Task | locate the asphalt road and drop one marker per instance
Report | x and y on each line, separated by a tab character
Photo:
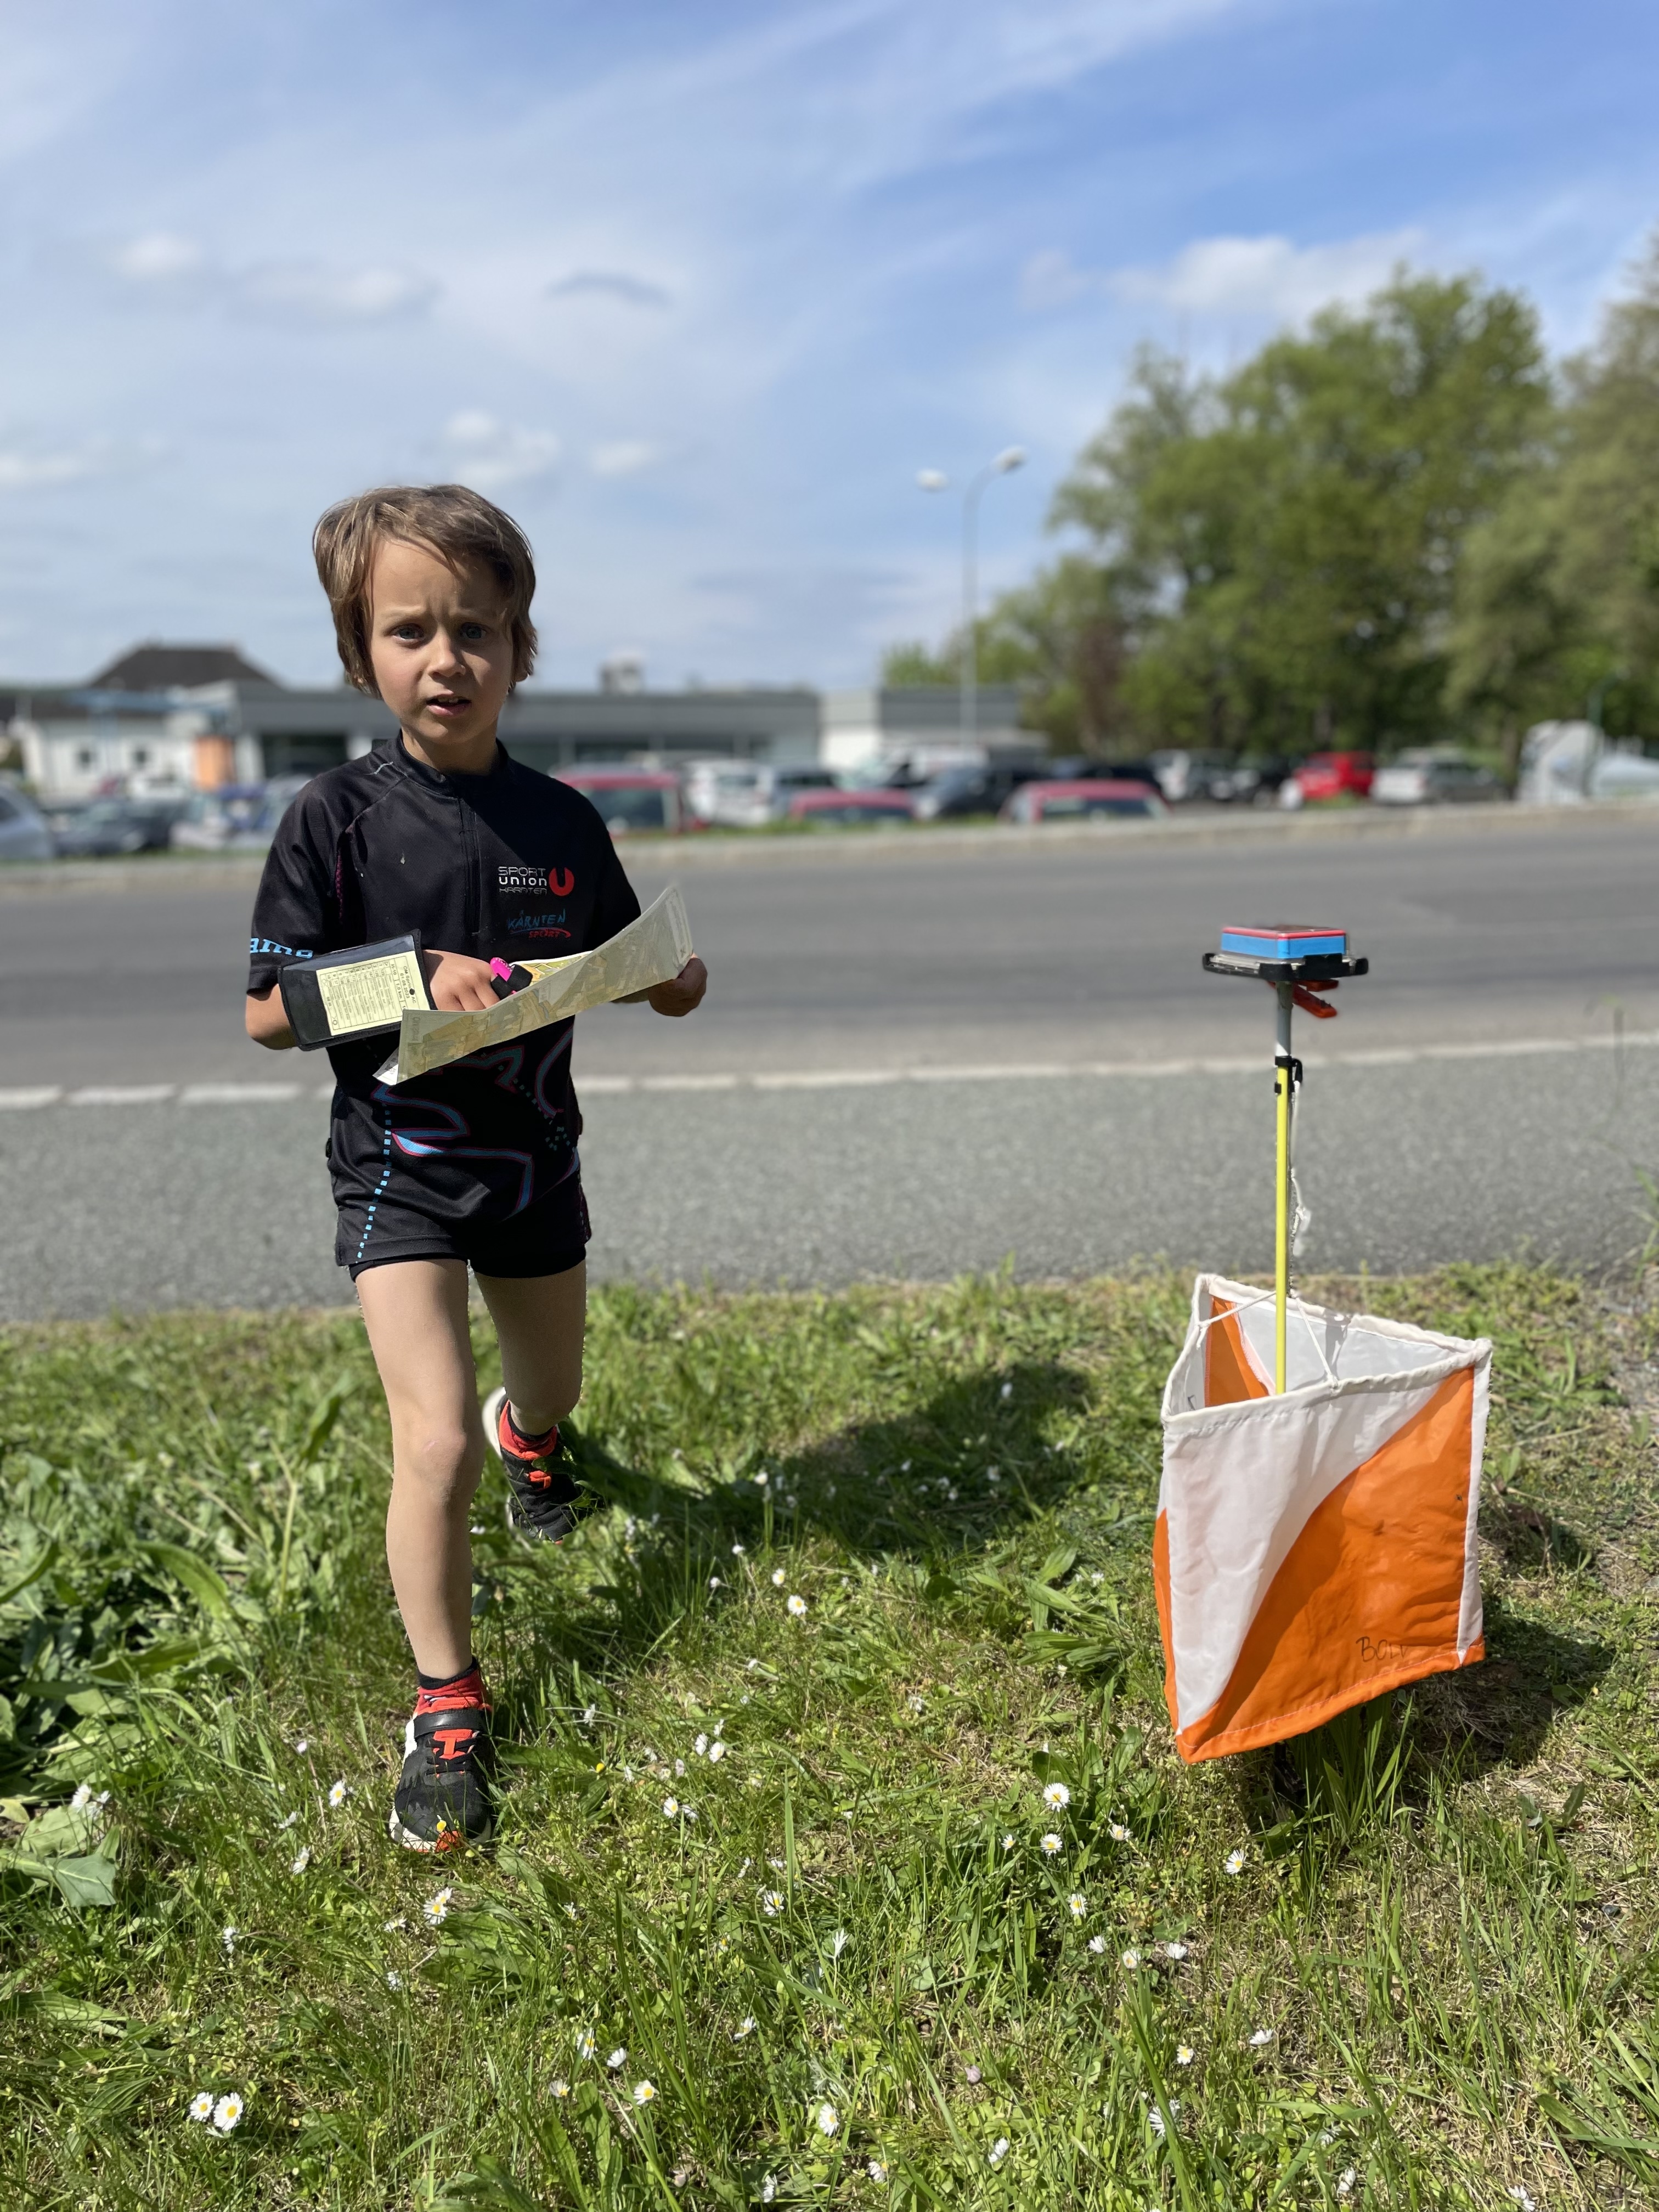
911	1062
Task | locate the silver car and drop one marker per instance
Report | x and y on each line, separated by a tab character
23	832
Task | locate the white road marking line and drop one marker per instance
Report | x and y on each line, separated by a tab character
121	1094
34	1096
237	1094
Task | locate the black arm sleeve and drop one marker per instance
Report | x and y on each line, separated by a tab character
296	911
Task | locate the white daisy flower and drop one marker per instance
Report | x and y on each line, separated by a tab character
688	1812
1097	1945
338	1794
679	1770
1057	1796
1052	1845
1132	1960
82	1798
570	1910
644	2092
877	2172
701	1746
779	1578
228	1937
715	1582
1183	2054
617	2059
671	1808
744	2028
1345	2182
394	1927
393	1979
1155	2118
1118	1833
916	1704
771	1903
1007	1392
1260	2039
590	1714
585	2045
1095	1579
716	1751
301	1860
201	2104
1176	1951
226	2112
828	2119
1079	1902
737	1551
839	1939
797	1605
558	2087
435	1911
1517	2195
1233	1863
302	1744
998	2152
288	1823
762	1479
768	2188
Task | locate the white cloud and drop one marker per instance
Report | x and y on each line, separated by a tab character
1268	276
616	285
310	292
29	464
623	457
158	256
490	455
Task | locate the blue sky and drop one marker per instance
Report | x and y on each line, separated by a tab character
695	289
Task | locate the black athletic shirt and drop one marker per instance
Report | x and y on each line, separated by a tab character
511	863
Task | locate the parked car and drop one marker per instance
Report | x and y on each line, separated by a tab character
1073	801
983	789
1324	776
630	798
744	795
237	817
1430	775
848	810
111	826
1255	782
24	835
1183	776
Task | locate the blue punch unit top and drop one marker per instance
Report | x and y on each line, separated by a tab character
1285	941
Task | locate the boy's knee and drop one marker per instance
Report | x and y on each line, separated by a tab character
444	1460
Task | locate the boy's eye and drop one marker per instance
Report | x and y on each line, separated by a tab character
472	629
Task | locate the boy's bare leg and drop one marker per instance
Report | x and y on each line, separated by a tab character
415	1313
540	1321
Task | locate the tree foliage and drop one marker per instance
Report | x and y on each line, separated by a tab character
1393	524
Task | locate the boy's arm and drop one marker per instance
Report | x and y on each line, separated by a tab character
459	984
266	1019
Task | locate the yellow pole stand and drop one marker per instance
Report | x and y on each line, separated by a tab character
1282	1185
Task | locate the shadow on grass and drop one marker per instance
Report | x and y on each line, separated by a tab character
934	1487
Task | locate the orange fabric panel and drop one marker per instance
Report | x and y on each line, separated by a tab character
1229	1376
1161	1589
1369	1595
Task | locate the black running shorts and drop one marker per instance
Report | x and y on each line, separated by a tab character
549	1237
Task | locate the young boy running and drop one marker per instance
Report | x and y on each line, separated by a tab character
439	830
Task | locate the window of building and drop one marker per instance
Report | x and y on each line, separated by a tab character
141	757
85	758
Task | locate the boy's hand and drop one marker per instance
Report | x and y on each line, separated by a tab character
683	993
458	984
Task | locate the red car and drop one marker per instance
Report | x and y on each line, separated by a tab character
844	810
631	798
1082	797
1331	775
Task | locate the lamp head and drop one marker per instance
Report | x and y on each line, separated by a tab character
932	479
1011	457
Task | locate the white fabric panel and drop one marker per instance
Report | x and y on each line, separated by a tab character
1240	1481
1471	1618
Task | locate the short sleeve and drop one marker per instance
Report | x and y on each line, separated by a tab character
294	912
615	902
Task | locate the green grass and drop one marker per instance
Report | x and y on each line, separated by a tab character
1445	1918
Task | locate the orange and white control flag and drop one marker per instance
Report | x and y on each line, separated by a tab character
1316	1548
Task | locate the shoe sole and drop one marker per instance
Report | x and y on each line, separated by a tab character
412	1842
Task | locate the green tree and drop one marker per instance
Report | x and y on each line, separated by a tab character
1284	543
1560	589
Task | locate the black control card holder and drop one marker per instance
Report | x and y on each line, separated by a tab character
361	993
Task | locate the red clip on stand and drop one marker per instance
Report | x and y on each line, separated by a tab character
1300	962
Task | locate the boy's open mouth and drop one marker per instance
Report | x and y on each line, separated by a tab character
448	703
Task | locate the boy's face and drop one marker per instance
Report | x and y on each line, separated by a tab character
441	652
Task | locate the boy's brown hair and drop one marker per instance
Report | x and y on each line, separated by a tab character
458	524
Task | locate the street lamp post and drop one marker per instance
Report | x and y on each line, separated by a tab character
1011	457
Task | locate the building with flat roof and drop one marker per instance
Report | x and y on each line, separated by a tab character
196	717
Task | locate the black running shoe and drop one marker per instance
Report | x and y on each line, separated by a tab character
443	1798
543	1498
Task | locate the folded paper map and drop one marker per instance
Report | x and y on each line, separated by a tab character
650	951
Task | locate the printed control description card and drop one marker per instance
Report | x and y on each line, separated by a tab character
369	994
